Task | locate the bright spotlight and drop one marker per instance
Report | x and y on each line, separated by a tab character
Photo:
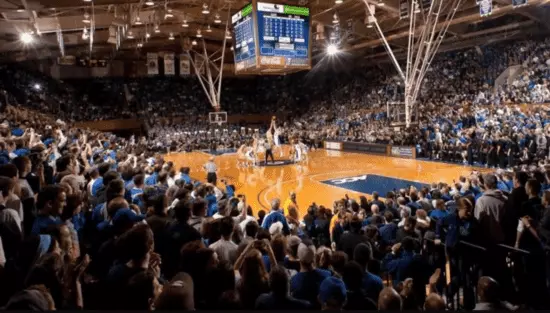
26	38
37	86
332	49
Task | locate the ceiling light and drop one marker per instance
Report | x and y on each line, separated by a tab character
338	1
231	48
369	25
86	18
335	19
332	49
37	86
227	35
184	24
87	0
26	38
157	30
208	29
149	2
199	35
217	20
20	10
85	35
147	35
168	14
205	9
138	21
130	35
171	37
194	42
139	45
380	3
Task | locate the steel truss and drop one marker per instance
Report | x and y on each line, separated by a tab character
211	82
421	49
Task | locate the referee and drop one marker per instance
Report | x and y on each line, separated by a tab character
211	169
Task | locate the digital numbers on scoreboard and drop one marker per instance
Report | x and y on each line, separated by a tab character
244	39
283	36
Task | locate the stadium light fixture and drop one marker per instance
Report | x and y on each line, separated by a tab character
338	1
168	14
26	38
228	35
380	3
149	2
171	37
332	49
157	30
37	87
139	45
208	29
335	19
194	42
217	19
185	24
138	21
147	35
86	18
87	0
199	35
231	48
205	9
130	35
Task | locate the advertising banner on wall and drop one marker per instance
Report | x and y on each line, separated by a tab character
403	152
152	64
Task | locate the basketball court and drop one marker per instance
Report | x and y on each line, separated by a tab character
328	176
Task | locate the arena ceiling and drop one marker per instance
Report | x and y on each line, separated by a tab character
46	17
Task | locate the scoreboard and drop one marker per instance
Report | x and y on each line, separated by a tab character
271	37
245	43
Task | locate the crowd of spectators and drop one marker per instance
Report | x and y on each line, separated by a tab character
91	220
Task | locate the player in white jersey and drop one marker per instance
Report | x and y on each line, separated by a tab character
250	157
241	156
304	150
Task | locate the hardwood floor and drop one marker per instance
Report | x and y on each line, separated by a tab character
320	180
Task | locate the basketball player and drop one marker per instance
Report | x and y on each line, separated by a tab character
277	132
250	157
241	155
296	151
304	150
269	149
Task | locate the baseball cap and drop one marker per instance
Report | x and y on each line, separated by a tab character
306	254
332	288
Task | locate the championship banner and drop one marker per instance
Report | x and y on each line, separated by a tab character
517	3
152	64
403	152
403	9
485	7
185	65
200	64
169	67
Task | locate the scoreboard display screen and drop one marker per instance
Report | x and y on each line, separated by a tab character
283	35
244	43
271	37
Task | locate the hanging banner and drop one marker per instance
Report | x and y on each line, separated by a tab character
185	65
517	3
200	65
485	7
403	9
152	64
169	67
